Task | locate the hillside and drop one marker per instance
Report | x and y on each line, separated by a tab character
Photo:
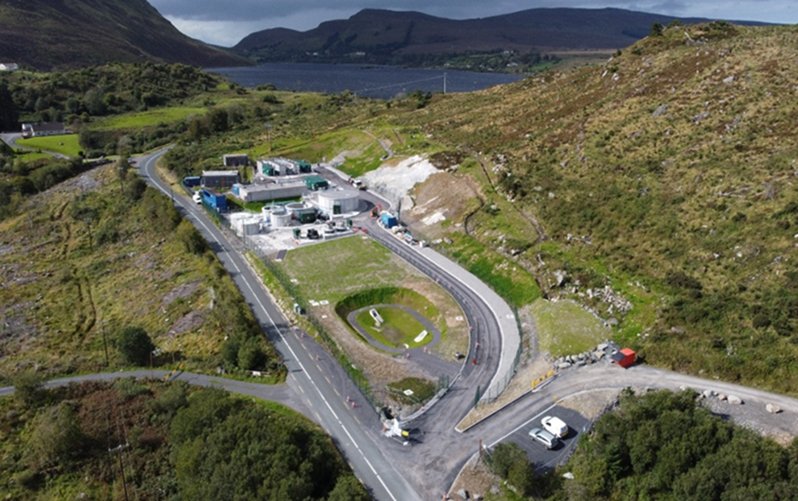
73	33
665	177
385	36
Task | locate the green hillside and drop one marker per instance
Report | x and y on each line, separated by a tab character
666	174
45	34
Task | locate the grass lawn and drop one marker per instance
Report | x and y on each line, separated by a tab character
400	327
148	118
565	328
66	144
422	390
333	270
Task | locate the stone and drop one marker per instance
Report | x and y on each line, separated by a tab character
568	475
721	397
602	346
563	365
580	363
729	80
734	400
706	393
661	109
773	408
463	494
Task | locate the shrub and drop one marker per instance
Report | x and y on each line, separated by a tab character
135	345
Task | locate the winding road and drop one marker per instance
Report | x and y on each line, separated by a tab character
319	388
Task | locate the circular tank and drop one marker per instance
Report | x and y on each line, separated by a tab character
294	206
280	217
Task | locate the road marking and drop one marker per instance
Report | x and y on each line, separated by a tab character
526	423
285	342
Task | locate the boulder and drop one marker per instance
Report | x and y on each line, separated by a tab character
721	397
773	408
661	109
463	494
706	393
563	365
602	346
580	363
734	400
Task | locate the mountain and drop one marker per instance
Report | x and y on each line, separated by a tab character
384	36
47	34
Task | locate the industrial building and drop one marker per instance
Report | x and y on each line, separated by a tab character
235	160
335	202
269	191
270	167
219	178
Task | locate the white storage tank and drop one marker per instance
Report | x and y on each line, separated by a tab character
280	217
333	202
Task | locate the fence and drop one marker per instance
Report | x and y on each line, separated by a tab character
290	288
496	390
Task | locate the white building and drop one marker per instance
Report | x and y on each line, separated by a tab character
335	202
270	191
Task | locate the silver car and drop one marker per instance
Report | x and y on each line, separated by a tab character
544	437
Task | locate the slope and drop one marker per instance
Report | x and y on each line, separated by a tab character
46	34
658	190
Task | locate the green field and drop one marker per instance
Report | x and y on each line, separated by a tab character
333	270
565	328
399	329
66	144
149	118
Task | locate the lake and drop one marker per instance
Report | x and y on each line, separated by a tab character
382	82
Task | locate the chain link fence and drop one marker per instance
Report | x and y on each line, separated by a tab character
494	391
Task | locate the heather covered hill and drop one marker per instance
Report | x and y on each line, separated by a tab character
668	174
47	34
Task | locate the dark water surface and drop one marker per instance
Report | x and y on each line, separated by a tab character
365	80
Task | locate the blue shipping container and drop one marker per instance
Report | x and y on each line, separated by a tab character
214	201
237	190
388	220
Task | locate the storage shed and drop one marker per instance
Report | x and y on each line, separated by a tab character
235	160
219	178
270	191
625	357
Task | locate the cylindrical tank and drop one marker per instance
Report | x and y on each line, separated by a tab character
280	217
294	206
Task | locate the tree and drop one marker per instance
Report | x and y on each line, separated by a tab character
28	388
192	240
657	29
9	115
56	437
250	355
135	345
348	488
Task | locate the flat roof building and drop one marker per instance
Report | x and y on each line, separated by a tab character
235	160
219	178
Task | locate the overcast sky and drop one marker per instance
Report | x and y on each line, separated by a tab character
225	22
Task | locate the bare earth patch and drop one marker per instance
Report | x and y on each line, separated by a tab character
476	478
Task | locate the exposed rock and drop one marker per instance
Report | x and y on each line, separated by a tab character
661	109
729	80
734	400
602	346
463	494
560	276
706	393
773	408
563	365
700	117
568	475
721	397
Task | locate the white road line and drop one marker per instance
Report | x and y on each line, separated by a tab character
526	423
293	354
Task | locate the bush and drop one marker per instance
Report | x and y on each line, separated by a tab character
191	239
135	345
28	388
56	438
250	355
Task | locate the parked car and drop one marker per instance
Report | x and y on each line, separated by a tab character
555	426
197	197
544	437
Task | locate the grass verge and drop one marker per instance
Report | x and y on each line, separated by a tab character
565	328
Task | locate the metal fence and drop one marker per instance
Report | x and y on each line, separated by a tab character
493	392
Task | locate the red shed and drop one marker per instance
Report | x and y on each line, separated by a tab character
626	357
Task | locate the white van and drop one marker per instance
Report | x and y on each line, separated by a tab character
197	197
555	426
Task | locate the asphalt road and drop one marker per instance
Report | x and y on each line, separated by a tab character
311	371
320	389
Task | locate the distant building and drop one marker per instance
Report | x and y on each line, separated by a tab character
9	66
43	129
269	192
235	160
219	178
335	202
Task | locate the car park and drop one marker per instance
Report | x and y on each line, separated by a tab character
555	426
544	437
